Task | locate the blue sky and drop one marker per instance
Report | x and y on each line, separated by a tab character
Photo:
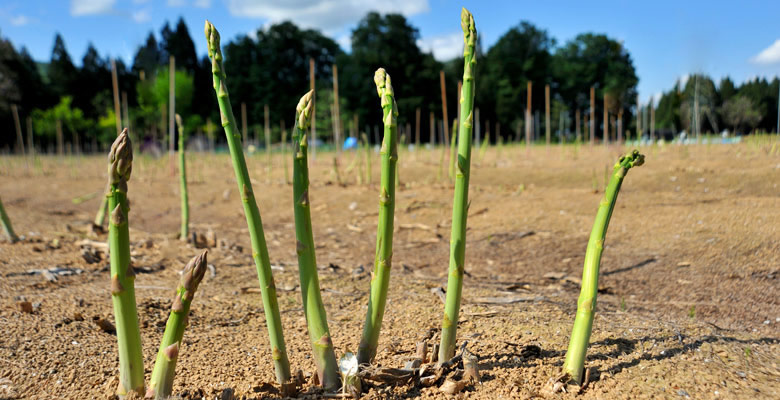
667	39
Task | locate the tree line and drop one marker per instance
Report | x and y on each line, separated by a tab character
270	69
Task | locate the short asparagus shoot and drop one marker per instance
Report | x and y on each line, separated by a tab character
185	204
255	224
131	364
460	202
586	304
384	236
161	384
7	227
313	308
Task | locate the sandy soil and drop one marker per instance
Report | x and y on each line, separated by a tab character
689	289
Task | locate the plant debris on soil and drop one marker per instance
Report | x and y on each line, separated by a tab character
688	304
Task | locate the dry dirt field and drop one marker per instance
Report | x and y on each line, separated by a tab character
690	284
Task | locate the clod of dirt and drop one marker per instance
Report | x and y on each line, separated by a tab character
105	325
452	387
25	307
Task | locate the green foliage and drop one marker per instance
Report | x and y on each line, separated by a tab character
72	119
740	112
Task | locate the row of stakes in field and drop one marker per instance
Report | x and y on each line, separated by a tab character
450	367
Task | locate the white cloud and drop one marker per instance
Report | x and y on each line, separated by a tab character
770	55
684	79
176	3
141	16
345	42
90	7
20	20
326	15
202	3
444	47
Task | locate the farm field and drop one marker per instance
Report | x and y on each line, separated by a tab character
688	301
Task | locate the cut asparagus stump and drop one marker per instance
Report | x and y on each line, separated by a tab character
586	304
460	202
259	248
384	237
161	384
131	366
313	308
7	227
185	204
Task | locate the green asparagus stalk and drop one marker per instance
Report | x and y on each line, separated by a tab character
259	248
313	308
100	217
284	157
367	146
131	364
384	232
452	149
586	305
161	384
185	204
460	202
7	227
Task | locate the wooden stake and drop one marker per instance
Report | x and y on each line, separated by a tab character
336	110
60	139
244	124
115	85
652	121
30	145
18	125
528	122
547	114
444	107
638	120
577	134
267	135
620	126
417	128
172	112
313	111
606	122
126	119
591	118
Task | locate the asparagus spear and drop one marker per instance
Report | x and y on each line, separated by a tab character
322	346
384	234
161	384
185	205
259	248
460	202
100	217
7	227
131	364
586	304
367	146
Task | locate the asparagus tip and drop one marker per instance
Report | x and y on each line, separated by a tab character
212	37
194	271
467	22
632	159
383	83
178	120
120	159
303	110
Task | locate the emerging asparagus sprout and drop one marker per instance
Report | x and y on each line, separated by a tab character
313	308
384	235
161	384
460	202
586	304
131	364
273	318
7	227
185	204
